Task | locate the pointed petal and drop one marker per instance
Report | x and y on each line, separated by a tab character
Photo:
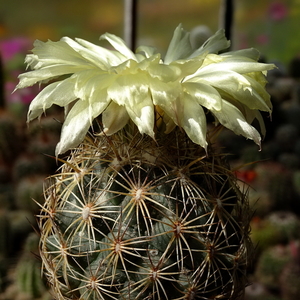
132	92
250	53
214	44
180	45
251	114
100	55
204	94
142	114
125	89
147	51
60	93
240	65
165	73
54	53
193	121
235	86
45	74
87	83
77	124
167	97
187	66
119	45
114	118
74	127
169	123
163	93
232	118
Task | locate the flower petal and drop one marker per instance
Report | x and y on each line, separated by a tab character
147	51
77	123
60	93
114	118
167	97
180	45
240	65
187	66
99	55
45	74
204	94
119	45
214	44
250	53
87	83
234	85
251	115
132	91
232	118
142	114
54	53
193	121
74	128
169	123
127	88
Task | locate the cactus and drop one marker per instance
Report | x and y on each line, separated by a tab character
28	270
270	265
29	188
122	222
289	282
25	276
279	227
257	291
4	245
276	184
289	278
10	143
144	206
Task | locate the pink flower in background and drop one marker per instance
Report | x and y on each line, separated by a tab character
278	11
24	96
10	47
13	52
262	39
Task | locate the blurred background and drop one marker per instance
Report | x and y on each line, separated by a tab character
271	26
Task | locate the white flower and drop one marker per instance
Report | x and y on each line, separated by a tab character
120	85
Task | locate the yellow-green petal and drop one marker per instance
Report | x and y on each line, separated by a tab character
232	118
214	44
204	94
193	121
180	45
74	128
60	93
142	114
114	118
118	44
77	123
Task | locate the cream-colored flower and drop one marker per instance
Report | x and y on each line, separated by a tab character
120	85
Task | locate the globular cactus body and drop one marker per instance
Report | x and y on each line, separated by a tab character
144	222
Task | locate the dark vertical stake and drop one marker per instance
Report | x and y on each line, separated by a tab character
227	17
130	23
2	98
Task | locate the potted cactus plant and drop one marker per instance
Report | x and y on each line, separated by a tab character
145	205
